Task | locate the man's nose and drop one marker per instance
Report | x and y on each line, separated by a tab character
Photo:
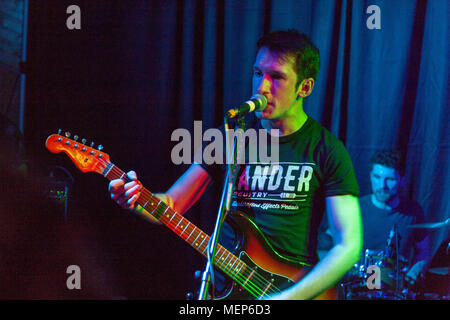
264	85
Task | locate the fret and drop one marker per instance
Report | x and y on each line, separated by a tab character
206	247
191	233
231	267
218	259
236	264
167	216
197	238
158	211
225	260
230	259
204	238
108	169
184	228
178	223
241	265
152	208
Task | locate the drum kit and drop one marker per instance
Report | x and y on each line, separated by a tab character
382	275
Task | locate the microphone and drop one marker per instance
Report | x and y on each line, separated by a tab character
256	103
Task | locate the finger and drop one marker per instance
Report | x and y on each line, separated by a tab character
130	185
115	185
132	175
132	201
132	191
115	194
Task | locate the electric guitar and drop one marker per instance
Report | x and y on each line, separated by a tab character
257	270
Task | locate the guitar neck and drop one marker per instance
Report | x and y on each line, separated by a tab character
88	159
223	259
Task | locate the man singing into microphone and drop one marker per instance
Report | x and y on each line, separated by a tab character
287	199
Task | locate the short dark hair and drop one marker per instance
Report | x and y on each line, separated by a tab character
389	158
292	43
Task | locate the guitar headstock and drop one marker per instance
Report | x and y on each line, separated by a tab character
86	158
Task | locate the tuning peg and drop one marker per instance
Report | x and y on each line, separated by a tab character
75	137
83	141
100	147
67	134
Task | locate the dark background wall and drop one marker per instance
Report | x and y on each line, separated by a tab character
137	70
11	34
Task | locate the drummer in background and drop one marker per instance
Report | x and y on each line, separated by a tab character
385	207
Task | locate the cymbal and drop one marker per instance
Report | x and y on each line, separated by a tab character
430	225
442	271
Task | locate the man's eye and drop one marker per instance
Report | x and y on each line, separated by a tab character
257	73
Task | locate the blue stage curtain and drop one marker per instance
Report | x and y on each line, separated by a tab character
139	69
379	88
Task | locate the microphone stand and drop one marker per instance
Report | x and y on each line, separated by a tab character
224	207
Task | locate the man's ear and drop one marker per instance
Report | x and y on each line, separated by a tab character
306	87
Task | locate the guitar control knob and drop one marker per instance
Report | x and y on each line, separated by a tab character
75	137
59	131
83	141
100	147
67	134
92	144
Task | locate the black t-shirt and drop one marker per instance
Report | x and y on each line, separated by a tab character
377	224
286	199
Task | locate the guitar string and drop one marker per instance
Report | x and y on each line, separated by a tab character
259	281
